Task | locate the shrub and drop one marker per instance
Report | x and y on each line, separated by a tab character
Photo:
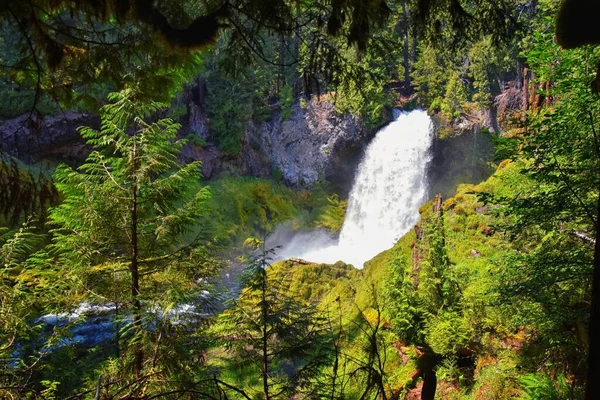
286	102
448	332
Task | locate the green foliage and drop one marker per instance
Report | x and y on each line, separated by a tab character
229	109
405	315
17	298
317	282
15	101
332	218
24	195
248	207
430	77
486	64
366	99
361	92
447	333
451	24
177	109
436	280
455	97
279	333
286	102
27	287
243	207
53	64
554	214
429	313
496	380
303	103
195	140
501	271
125	222
542	387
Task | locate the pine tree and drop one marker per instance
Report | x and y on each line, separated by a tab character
430	76
129	219
455	97
279	334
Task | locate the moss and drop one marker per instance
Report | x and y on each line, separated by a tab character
243	207
473	248
449	204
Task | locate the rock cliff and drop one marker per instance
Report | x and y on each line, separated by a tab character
312	144
315	143
32	138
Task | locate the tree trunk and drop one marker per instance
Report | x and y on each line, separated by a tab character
426	363
414	46
265	349
592	387
525	100
548	99
298	89
519	80
429	385
135	277
117	349
533	93
405	51
281	64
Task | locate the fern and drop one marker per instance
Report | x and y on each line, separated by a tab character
542	387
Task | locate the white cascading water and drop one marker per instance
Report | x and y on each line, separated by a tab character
390	186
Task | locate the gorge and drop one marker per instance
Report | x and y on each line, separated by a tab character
298	200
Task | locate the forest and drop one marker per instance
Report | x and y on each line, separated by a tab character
300	199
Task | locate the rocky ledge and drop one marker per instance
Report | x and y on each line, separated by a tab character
312	144
315	142
32	138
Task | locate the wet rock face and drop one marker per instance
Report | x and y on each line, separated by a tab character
33	138
462	157
209	155
310	145
197	120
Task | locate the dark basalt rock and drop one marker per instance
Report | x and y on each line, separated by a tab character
32	138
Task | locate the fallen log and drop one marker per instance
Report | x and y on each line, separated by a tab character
301	261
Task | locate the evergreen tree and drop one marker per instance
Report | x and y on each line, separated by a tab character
128	221
430	313
282	336
486	65
454	98
23	195
22	289
430	76
368	361
553	221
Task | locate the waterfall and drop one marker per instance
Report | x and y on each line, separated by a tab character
390	186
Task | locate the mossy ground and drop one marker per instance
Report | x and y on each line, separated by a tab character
475	249
243	207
